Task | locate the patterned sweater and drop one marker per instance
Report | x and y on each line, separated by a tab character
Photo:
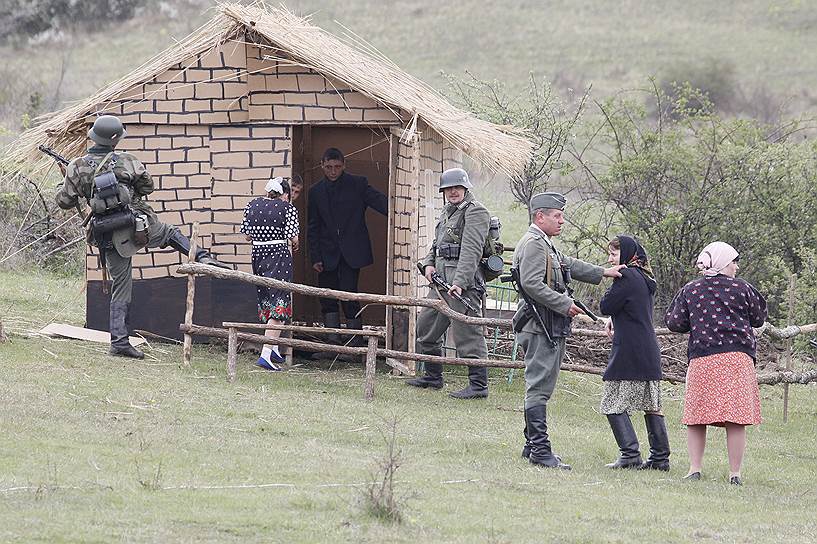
718	312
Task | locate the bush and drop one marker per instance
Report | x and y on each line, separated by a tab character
688	178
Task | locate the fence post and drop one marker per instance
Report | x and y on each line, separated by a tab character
789	346
232	353
187	350
371	361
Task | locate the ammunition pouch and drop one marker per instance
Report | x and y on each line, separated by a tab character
558	325
448	251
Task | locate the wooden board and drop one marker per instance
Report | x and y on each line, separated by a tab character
79	333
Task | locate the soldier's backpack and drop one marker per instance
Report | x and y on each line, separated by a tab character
110	204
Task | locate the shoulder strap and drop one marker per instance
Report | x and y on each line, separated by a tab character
102	163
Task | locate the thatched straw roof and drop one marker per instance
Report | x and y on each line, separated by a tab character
293	40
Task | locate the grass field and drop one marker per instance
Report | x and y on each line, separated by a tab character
97	449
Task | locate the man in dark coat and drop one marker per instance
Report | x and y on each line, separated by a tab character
338	238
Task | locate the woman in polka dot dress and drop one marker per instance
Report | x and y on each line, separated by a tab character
718	311
271	223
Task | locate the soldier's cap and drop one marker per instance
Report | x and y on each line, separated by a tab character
548	201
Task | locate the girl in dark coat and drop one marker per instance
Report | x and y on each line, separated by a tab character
633	376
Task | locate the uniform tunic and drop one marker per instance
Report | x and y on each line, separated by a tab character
463	272
271	222
542	360
79	184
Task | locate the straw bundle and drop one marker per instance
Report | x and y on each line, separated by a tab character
291	39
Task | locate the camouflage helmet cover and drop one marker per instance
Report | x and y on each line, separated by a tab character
453	177
107	130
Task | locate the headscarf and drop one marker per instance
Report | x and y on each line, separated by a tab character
715	257
633	254
274	186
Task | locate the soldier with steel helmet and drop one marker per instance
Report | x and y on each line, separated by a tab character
458	247
543	274
115	184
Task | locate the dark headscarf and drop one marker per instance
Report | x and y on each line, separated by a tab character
634	255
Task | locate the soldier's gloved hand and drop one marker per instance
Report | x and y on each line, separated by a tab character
575	310
613	271
429	270
455	289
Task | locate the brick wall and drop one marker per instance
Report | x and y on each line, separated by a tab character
292	94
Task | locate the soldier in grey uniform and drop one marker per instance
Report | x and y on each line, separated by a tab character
118	246
543	272
458	247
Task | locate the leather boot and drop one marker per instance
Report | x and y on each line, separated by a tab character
627	441
356	323
540	451
120	343
181	243
331	320
477	384
433	378
527	446
659	443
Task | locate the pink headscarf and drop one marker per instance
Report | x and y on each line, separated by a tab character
715	257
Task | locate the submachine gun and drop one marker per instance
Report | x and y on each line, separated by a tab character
582	306
62	160
531	309
438	280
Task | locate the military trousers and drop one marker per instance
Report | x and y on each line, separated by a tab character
121	268
542	364
469	339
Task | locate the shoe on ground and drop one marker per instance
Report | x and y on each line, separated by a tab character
126	351
621	463
469	393
735	480
550	462
267	365
692	476
425	382
655	465
277	358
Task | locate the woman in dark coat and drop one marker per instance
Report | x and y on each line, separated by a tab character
271	223
633	376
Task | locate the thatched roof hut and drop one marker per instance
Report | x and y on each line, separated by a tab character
255	92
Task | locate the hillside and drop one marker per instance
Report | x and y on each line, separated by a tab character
761	46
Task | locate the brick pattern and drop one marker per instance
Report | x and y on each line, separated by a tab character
293	94
404	220
243	159
208	89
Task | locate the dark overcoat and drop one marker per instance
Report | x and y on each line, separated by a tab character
635	354
336	221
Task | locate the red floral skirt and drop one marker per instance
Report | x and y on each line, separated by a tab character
721	389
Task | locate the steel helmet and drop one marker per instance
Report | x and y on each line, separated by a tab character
453	177
107	130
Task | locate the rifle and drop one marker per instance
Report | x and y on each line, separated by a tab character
582	306
53	154
440	282
62	160
530	305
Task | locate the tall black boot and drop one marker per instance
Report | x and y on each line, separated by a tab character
181	243
526	448
659	443
540	451
627	441
356	323
433	377
120	343
477	384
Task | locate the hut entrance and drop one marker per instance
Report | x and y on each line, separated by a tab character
367	154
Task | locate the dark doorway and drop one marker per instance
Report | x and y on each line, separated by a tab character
367	154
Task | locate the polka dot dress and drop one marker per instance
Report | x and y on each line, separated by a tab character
271	220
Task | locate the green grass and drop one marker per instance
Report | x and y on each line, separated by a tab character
105	450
